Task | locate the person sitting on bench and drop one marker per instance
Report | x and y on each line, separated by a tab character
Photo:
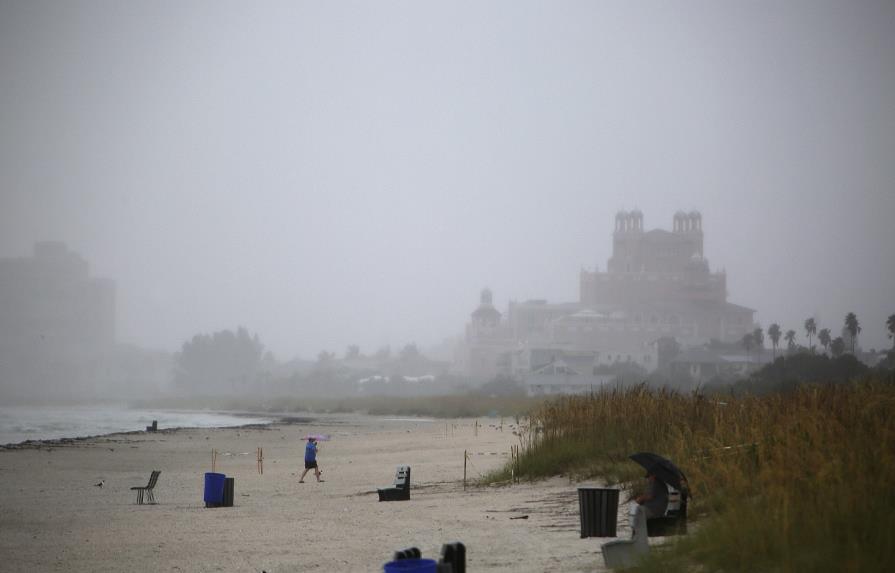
654	501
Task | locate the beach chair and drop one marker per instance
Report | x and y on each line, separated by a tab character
146	492
409	553
400	491
627	552
452	560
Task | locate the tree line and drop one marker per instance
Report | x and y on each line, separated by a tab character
837	346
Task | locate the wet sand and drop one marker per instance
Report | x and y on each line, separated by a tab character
53	517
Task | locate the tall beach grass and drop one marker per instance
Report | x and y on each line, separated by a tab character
803	481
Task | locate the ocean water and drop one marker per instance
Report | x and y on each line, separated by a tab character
19	424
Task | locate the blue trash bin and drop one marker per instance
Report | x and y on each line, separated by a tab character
214	489
411	566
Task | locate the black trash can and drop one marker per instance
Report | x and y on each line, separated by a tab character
229	484
599	511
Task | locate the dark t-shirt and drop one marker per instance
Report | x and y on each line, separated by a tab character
656	506
311	452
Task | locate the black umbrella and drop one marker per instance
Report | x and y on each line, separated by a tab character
663	469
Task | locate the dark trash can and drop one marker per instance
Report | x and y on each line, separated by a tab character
453	557
599	511
214	489
229	484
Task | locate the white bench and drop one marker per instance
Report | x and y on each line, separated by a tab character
627	552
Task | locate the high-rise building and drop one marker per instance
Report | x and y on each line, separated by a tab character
56	322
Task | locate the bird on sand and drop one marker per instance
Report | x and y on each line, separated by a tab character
101	483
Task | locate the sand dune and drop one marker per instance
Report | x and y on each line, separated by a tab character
53	517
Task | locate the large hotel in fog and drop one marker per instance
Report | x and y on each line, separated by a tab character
657	284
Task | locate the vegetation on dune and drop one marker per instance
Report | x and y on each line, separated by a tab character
788	373
795	481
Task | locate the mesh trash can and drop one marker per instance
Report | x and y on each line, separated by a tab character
599	511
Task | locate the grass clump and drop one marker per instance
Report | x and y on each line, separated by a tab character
788	482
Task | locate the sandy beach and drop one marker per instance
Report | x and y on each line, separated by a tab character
53	517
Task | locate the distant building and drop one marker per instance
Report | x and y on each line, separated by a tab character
545	372
56	322
705	364
657	285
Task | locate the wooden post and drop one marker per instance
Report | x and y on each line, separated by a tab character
214	460
464	470
512	464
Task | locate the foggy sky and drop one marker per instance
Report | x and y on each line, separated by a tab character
330	173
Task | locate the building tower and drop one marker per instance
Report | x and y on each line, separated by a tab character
486	315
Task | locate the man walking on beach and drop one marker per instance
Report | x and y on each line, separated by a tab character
310	461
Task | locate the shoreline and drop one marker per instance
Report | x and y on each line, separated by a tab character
62	442
285	419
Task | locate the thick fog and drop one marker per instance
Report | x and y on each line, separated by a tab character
337	173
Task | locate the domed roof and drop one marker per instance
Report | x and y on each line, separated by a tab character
487	313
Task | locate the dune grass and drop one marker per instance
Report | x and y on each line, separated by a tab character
803	481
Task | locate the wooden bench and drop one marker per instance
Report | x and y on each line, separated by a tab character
400	491
146	492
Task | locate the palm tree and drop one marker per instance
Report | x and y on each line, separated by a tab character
810	330
774	334
758	339
837	347
890	324
747	341
853	327
824	338
790	338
